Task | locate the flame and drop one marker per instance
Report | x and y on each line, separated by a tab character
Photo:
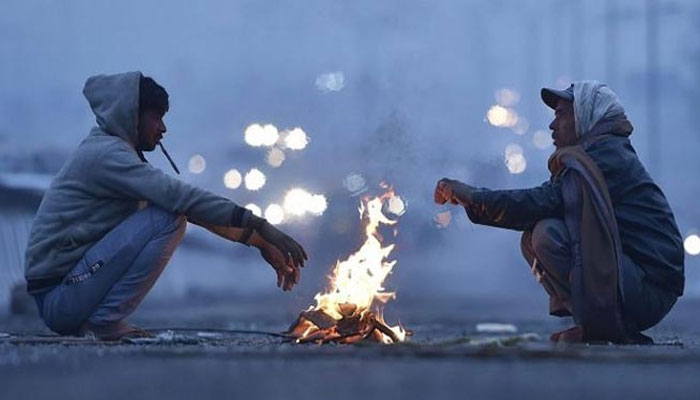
357	283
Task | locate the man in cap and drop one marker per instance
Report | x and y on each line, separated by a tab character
600	235
110	222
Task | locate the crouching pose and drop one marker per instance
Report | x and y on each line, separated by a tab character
110	222
599	236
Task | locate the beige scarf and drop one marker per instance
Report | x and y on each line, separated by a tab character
596	248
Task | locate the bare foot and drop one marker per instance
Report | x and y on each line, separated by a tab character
571	335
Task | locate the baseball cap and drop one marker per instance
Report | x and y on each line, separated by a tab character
552	96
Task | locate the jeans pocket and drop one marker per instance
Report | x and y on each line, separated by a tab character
83	271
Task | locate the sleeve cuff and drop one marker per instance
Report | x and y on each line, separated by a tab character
473	207
240	217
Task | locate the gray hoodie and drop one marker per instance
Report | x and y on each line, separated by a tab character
103	183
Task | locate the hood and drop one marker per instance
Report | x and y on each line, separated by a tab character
115	101
593	103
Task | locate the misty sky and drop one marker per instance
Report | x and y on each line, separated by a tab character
419	77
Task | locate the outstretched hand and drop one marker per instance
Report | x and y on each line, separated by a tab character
283	253
287	273
292	251
453	191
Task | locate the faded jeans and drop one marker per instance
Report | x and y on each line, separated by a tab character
115	274
547	249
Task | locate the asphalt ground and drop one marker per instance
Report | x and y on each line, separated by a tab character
228	348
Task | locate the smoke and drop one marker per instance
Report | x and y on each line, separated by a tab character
396	92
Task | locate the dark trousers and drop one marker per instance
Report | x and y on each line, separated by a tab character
547	250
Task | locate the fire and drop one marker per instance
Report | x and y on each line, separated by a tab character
350	310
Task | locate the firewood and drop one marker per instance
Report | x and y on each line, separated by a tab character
347	309
293	326
319	318
300	328
355	338
316	336
383	328
350	325
353	328
376	336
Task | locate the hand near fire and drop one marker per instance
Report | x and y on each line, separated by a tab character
287	272
283	253
453	191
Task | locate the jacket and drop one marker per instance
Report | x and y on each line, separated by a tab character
647	227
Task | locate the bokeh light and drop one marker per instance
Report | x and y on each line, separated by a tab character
502	117
507	97
257	135
396	206
318	204
296	139
443	219
197	164
254	179
521	126
275	157
542	139
274	214
331	82
253	135
257	211
296	201
233	179
355	184
515	159
513	149
692	244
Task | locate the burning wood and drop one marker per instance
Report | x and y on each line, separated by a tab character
317	326
351	309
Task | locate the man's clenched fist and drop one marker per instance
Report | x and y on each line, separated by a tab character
453	191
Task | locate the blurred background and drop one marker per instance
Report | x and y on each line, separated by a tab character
336	97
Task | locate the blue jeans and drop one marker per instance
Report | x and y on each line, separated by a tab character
115	274
548	243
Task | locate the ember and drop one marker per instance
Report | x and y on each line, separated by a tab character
351	310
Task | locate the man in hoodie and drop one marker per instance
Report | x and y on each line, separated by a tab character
599	236
110	222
